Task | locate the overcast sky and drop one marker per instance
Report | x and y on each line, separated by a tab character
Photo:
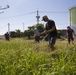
25	11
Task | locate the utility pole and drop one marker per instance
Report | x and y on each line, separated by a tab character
37	17
9	28
23	27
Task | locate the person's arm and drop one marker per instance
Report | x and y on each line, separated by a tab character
50	30
51	26
74	33
66	34
44	32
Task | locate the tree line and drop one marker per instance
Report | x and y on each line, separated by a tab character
29	33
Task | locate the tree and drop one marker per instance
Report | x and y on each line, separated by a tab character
29	33
18	33
40	27
12	34
30	27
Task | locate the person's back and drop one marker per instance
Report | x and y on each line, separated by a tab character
36	32
7	36
49	25
70	34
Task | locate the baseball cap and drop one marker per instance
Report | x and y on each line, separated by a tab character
68	27
44	17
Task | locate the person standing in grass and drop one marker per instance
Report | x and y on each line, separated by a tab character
7	36
51	30
36	34
70	35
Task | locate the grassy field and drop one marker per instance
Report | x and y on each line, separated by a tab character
25	57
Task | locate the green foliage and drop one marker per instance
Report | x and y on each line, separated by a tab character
16	33
40	27
18	57
29	33
13	34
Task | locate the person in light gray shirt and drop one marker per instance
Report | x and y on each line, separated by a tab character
36	34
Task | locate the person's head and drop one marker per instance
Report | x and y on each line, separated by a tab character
45	18
68	27
7	32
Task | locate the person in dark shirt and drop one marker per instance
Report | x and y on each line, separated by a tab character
70	34
51	30
7	36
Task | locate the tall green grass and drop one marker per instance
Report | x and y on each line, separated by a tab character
18	57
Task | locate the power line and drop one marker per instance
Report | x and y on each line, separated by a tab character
3	26
19	15
51	12
32	13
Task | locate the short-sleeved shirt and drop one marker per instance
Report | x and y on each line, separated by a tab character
49	25
36	32
70	32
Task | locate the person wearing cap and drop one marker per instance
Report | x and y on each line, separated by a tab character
70	34
51	30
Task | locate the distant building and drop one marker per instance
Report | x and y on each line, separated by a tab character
62	32
72	18
2	36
